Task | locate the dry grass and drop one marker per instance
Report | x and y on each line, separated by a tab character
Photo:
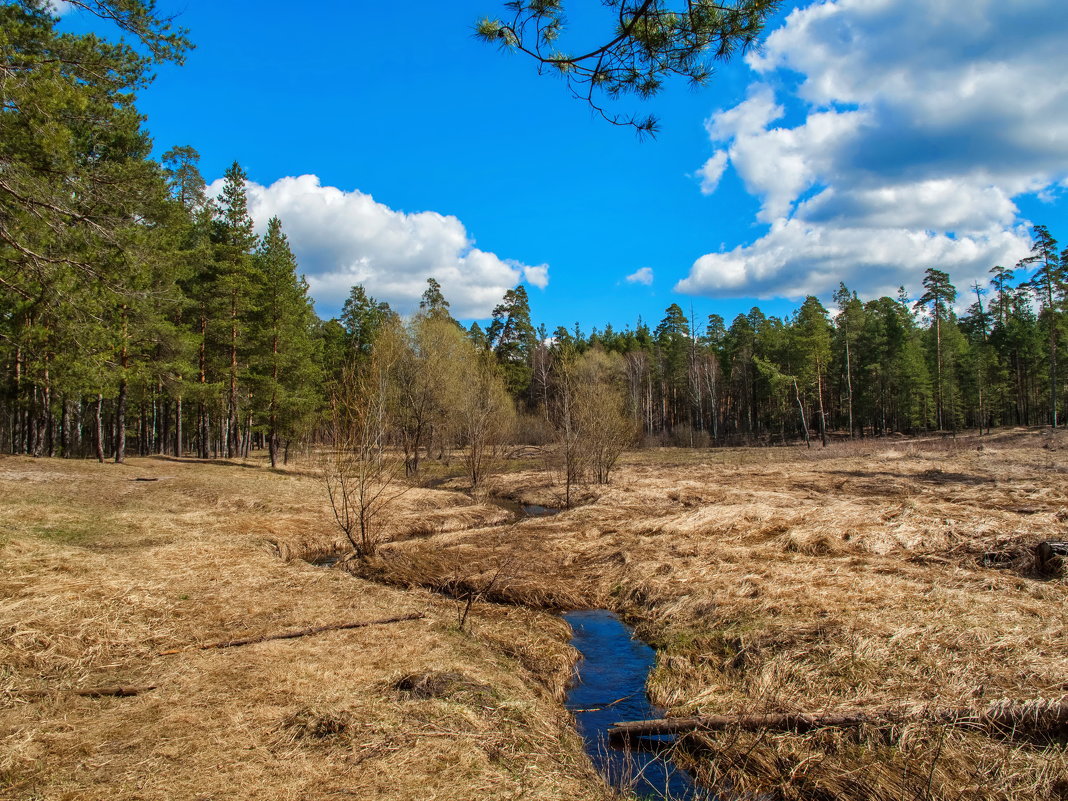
794	580
770	579
98	573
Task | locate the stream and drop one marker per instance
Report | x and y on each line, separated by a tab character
610	687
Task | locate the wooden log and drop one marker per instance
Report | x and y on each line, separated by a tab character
290	635
1040	715
1047	552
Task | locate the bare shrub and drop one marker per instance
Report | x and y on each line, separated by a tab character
361	472
484	415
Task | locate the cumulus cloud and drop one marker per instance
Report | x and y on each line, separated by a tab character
643	275
344	238
711	171
537	275
921	121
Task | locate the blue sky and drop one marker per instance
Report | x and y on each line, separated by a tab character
869	139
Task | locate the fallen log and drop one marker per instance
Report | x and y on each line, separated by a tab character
1034	716
1050	556
291	635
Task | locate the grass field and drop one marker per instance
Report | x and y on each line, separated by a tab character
779	579
100	572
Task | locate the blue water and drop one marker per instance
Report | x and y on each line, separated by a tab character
610	687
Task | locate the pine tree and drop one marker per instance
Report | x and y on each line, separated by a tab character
194	269
813	332
512	338
285	361
674	345
363	318
433	303
848	324
236	287
1050	285
652	41
939	296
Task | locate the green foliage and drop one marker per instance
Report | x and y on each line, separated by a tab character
363	318
133	305
653	42
512	338
285	362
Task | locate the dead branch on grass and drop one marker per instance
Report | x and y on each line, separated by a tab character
291	635
96	692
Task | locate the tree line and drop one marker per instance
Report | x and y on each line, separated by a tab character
138	315
890	364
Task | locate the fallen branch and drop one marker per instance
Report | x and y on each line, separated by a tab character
96	692
291	635
605	706
1034	716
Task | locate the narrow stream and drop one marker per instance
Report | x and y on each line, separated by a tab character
610	687
521	510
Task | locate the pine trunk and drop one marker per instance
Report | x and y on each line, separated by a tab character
178	426
233	432
849	386
99	426
120	424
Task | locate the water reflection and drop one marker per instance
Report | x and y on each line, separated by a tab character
610	687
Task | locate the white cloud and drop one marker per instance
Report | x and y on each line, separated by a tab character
921	121
711	171
537	275
344	238
59	7
643	275
796	259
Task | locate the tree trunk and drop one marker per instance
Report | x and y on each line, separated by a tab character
823	414
801	409
1033	716
120	411
233	431
120	424
50	423
178	426
99	425
849	386
205	433
64	429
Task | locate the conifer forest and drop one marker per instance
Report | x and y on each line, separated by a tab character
140	315
251	552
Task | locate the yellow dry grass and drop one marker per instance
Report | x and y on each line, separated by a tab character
796	580
100	572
